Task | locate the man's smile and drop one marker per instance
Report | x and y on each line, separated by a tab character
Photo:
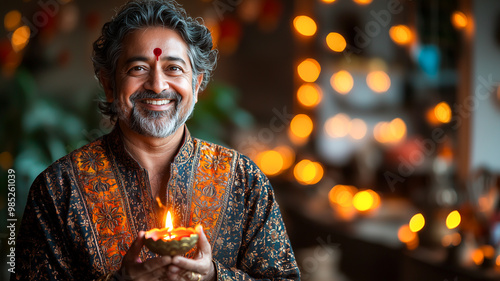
157	101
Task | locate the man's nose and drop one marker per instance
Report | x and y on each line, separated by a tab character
157	82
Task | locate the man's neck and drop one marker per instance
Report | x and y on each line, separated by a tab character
153	154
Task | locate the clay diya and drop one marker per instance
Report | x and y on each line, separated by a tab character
170	241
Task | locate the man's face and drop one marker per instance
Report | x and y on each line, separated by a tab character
154	93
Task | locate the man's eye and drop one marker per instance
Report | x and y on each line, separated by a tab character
137	69
174	68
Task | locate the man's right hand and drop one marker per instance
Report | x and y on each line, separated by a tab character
133	269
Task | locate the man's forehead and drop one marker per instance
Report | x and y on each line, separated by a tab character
146	40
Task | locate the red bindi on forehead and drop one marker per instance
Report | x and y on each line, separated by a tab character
157	52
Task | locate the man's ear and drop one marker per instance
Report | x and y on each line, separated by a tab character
106	84
199	79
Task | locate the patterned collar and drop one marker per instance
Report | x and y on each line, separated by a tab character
117	147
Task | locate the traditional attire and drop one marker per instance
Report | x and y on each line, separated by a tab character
85	210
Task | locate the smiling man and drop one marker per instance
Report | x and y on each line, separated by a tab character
87	213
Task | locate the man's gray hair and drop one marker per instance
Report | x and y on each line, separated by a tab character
150	13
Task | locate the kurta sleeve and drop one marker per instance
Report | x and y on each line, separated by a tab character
265	252
41	247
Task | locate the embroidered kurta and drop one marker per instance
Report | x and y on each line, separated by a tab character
84	211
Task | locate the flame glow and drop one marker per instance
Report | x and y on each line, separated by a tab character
168	222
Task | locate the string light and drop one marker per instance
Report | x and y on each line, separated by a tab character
417	222
270	162
12	20
363	2
307	172
288	155
378	81
453	220
342	82
366	200
390	132
338	126
400	34
301	125
305	25
342	195
477	256
442	112
20	38
336	42
309	95
358	129
459	20
405	235
309	70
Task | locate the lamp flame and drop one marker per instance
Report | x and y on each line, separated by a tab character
168	222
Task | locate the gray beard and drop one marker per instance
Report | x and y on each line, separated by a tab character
158	124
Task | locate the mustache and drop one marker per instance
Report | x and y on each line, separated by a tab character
148	94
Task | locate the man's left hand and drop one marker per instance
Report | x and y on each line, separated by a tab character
199	268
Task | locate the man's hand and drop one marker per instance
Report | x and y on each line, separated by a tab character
133	269
199	268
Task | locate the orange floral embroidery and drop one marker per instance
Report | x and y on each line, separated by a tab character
105	204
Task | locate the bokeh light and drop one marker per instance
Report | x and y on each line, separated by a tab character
477	256
366	200
451	239
213	25
358	129
363	2
488	251
400	34
453	220
288	155
342	82
390	132
309	70
271	162
338	126
378	81
309	95
417	222
305	25
405	235
336	42
12	20
442	112
459	20
20	38
301	126
342	195
398	129
307	172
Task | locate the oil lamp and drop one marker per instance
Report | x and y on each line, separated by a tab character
170	241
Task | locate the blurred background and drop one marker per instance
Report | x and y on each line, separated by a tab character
376	121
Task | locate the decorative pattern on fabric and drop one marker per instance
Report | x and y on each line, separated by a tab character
105	204
212	186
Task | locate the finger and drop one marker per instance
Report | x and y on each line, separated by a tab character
133	252
204	260
152	268
203	245
156	263
188	264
